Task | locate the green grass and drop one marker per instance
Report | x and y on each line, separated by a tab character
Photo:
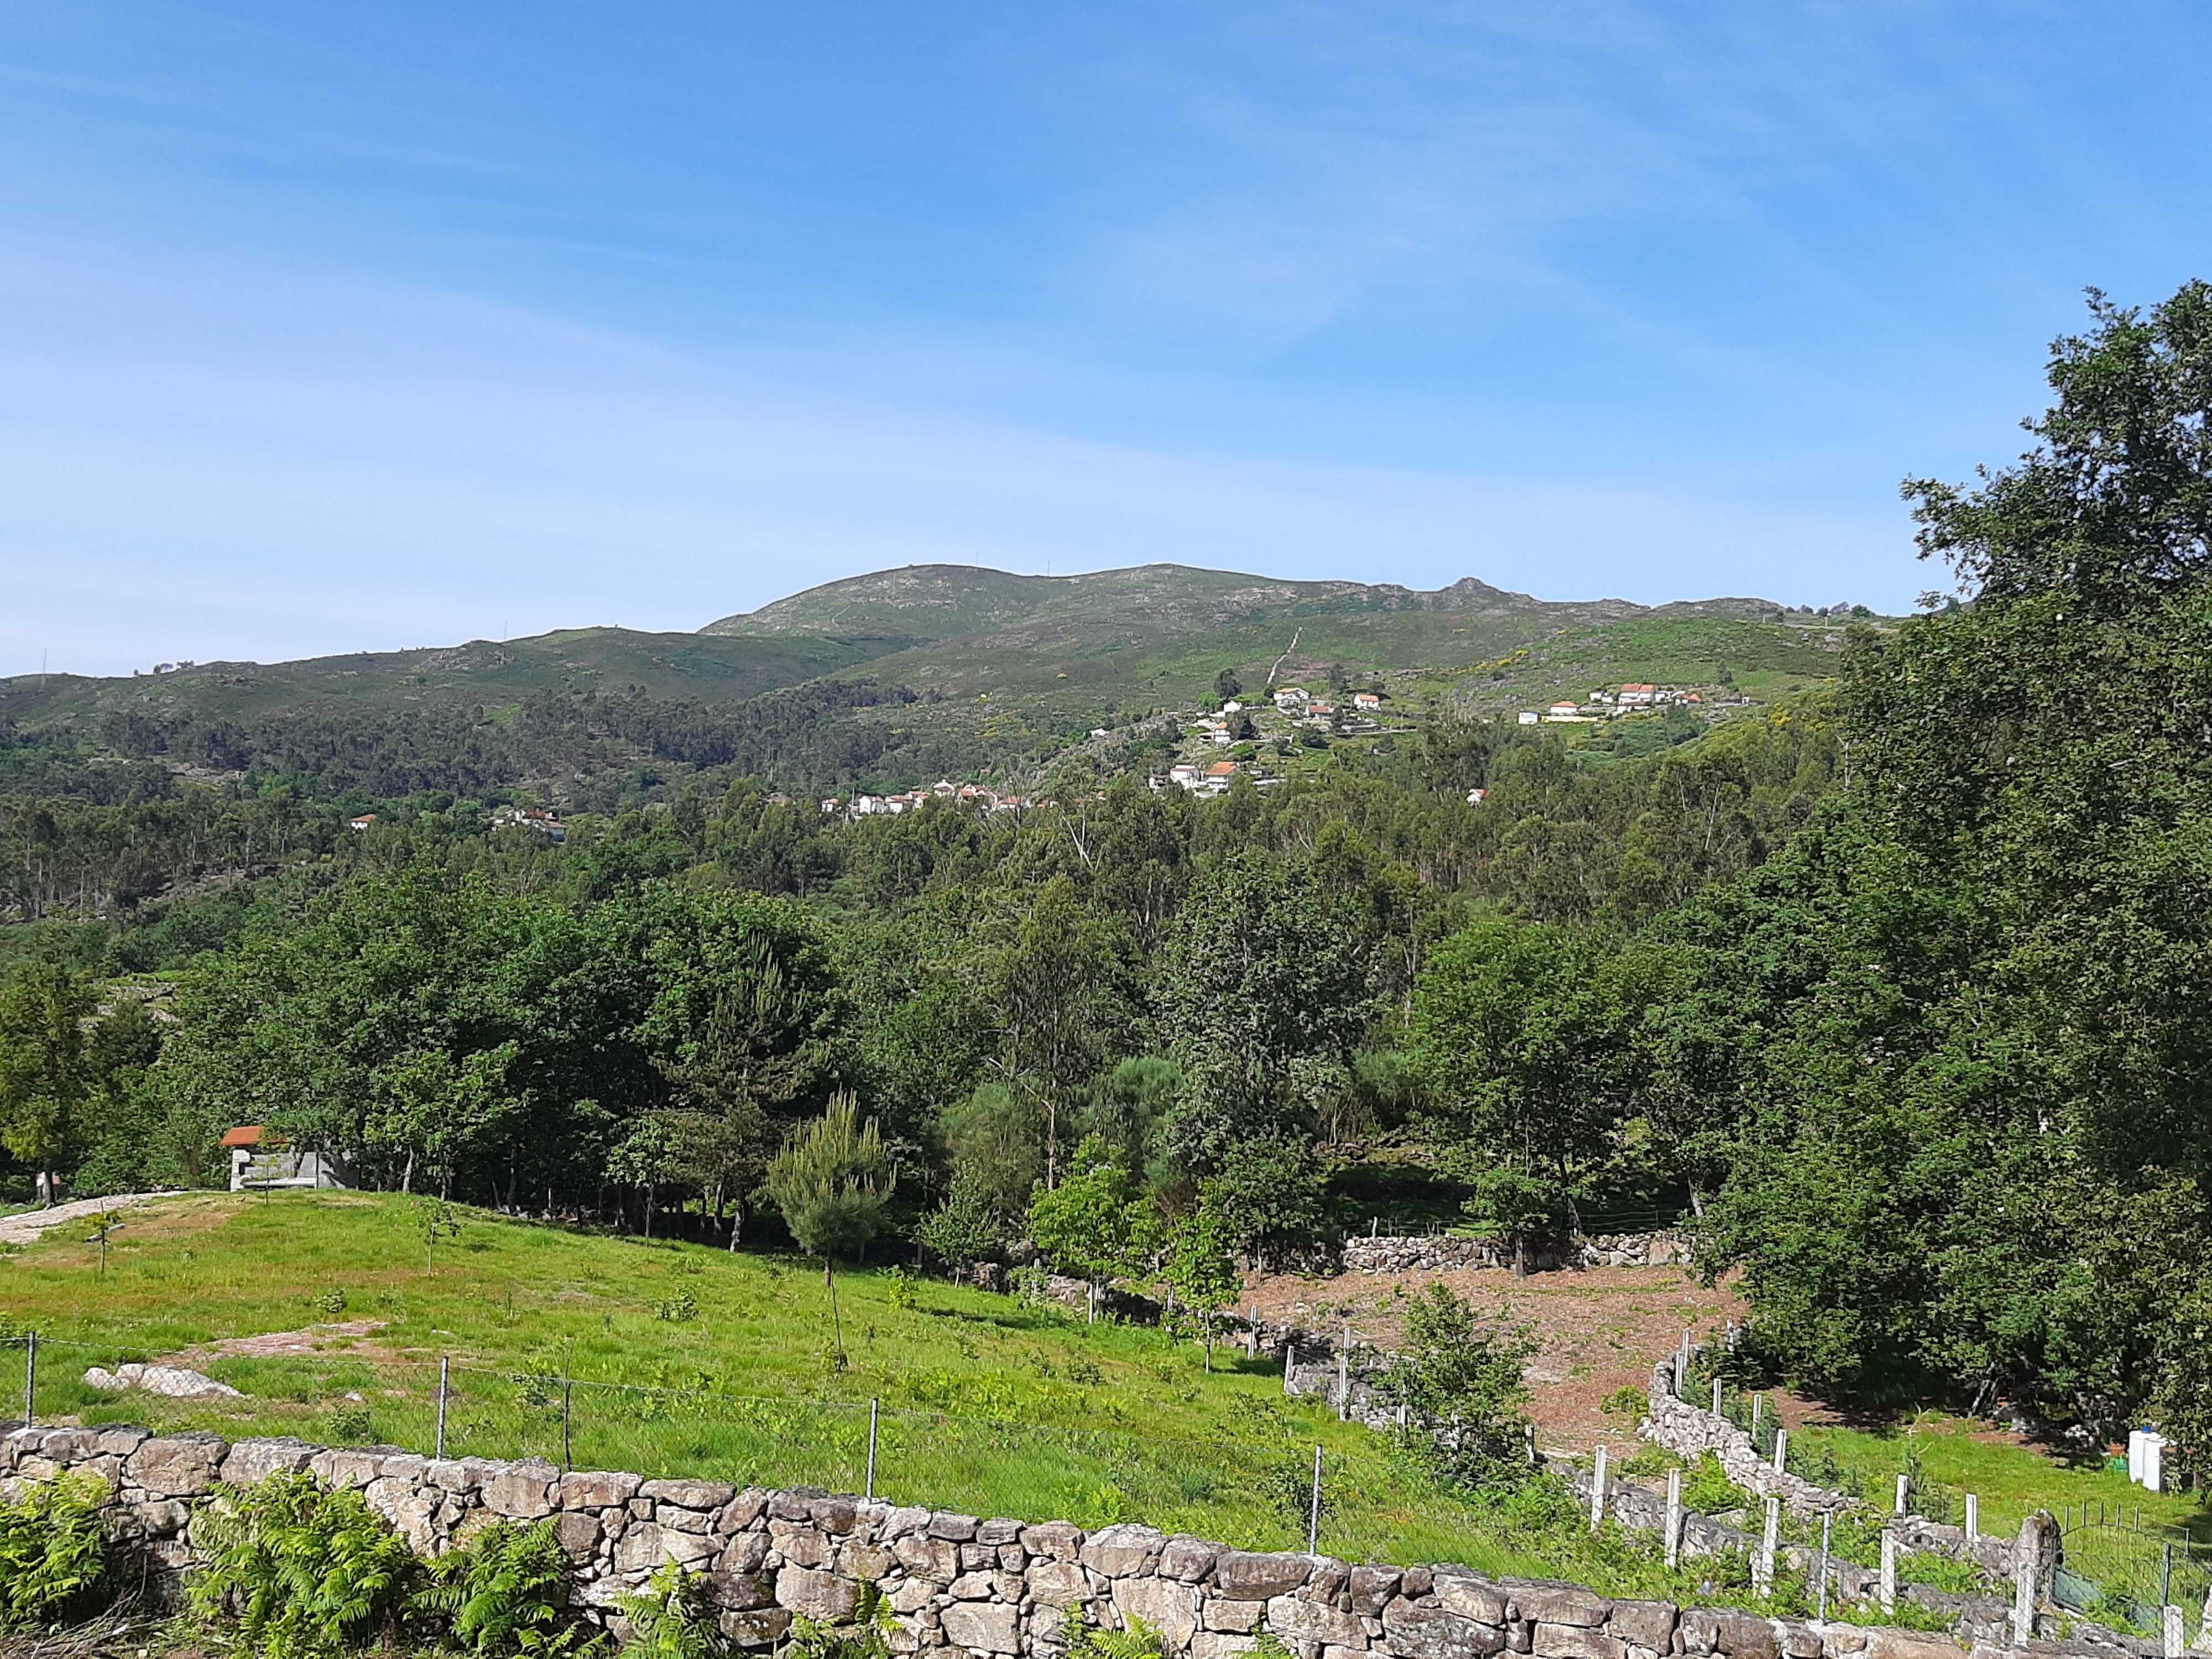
2013	1482
560	1348
989	1404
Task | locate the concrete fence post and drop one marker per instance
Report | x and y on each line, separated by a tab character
2204	1622
1597	1491
2170	1628
1888	1592
1827	1544
1290	1364
1673	1533
2034	1569
1758	1410
1781	1452
1716	1396
1344	1377
1252	1337
1901	1484
1770	1544
1313	1514
445	1374
1973	1515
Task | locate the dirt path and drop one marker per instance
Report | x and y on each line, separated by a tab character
1599	1330
25	1229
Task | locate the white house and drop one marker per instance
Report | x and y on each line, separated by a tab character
259	1158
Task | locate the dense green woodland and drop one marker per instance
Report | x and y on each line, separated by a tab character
1899	992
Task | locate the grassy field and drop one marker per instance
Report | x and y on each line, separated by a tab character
691	1359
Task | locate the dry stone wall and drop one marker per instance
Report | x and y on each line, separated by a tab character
957	1582
1690	1431
1442	1253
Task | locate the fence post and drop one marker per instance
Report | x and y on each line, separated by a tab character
2166	1577
1758	1409
1681	1374
1901	1480
1973	1515
2170	1627
2204	1622
444	1367
1673	1534
1762	1565
1827	1542
1716	1396
1781	1450
1597	1491
1313	1513
2034	1564
1887	1594
1252	1336
1344	1377
1290	1363
30	1379
875	1413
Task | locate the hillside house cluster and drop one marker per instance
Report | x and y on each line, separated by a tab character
545	824
1201	778
1321	713
1634	698
975	795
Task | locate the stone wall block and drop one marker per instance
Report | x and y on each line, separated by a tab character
1188	1558
1543	1601
1168	1607
1218	1644
760	1629
689	1494
1647	1624
983	1627
1573	1642
800	1546
934	1558
1429	1630
819	1595
1057	1540
182	1466
1057	1583
1251	1576
523	1491
999	1531
958	1529
257	1459
1123	1551
1298	1619
596	1489
1470	1595
1707	1630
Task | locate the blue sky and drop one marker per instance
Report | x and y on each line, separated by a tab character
326	328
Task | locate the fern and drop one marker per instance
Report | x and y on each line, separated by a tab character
503	1591
866	1638
53	1554
672	1617
1087	1641
305	1570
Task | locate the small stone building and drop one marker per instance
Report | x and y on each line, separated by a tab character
259	1158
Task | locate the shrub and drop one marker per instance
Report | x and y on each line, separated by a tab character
678	1310
900	1285
305	1570
53	1555
1631	1402
1460	1379
1709	1490
1087	1641
672	1617
503	1592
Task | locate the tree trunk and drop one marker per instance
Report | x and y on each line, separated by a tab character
836	1319
648	1209
407	1175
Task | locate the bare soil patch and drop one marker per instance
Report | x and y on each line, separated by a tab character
1599	1329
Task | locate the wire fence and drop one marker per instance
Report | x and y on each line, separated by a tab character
1371	1502
2119	1569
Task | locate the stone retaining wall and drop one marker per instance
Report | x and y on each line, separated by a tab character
1690	1431
956	1582
1442	1253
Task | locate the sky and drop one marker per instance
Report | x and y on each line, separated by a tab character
337	328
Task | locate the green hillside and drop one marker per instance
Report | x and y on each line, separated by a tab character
971	672
714	668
